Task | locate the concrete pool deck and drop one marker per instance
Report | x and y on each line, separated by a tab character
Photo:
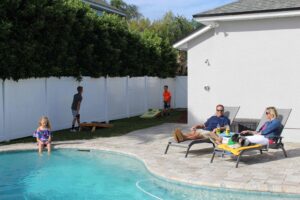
269	172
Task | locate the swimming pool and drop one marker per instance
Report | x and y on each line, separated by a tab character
72	174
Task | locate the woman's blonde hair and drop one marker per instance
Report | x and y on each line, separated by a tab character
272	111
48	125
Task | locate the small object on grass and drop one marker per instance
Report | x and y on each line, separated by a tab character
94	125
151	113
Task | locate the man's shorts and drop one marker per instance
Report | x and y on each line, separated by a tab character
205	133
74	113
166	105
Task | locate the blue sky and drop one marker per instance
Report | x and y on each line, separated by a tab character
155	9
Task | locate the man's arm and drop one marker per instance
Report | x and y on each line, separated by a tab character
198	126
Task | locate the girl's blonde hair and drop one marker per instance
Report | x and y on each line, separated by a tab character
48	125
272	111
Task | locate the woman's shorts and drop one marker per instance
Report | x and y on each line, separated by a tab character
258	139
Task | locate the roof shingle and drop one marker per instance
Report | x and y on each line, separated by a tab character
252	6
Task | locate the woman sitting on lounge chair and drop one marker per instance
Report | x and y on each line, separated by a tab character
268	131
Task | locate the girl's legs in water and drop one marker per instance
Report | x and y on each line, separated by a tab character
40	147
49	147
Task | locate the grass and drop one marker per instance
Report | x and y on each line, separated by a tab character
121	127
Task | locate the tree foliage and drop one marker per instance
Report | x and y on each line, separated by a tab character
66	38
131	10
169	29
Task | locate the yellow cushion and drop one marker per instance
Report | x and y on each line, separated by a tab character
237	151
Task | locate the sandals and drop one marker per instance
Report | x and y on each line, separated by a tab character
178	135
175	137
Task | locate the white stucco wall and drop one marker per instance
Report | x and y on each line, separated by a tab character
252	64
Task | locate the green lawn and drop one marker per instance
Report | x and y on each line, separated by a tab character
121	127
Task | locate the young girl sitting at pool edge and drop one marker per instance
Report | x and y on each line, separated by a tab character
43	134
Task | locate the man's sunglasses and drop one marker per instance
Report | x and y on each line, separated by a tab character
220	110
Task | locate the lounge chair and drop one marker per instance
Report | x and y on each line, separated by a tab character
229	112
283	115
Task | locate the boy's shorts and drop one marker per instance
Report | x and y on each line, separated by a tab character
75	113
166	105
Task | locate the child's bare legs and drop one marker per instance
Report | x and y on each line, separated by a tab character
40	147
49	147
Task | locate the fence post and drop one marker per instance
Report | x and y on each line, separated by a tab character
127	96
3	109
106	99
175	95
146	105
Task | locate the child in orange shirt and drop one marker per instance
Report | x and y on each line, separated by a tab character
167	100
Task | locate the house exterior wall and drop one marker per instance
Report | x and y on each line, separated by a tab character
252	64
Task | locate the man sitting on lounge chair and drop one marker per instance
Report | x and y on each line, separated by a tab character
206	130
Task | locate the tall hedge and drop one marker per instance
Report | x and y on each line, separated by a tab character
66	38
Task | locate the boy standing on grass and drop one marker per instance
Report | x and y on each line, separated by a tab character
76	107
167	101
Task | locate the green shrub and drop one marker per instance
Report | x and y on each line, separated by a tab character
66	38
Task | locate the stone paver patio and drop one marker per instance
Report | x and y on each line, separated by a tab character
268	172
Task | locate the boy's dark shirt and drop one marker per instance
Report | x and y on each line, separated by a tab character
76	99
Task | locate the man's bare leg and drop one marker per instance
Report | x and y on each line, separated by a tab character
189	136
216	138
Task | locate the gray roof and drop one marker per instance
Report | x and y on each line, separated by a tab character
102	5
252	6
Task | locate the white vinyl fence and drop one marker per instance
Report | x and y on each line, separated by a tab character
22	103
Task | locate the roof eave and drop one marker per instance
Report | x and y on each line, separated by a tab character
183	44
248	16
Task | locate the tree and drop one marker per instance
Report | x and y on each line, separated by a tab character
170	29
131	10
66	38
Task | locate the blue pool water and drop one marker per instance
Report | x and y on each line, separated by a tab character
71	174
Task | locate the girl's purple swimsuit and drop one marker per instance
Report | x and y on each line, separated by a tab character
43	135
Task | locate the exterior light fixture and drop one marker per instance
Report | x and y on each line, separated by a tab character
207	88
